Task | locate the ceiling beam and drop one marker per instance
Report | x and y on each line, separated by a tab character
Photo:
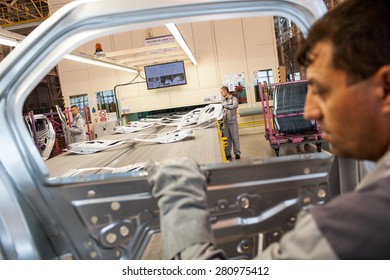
142	49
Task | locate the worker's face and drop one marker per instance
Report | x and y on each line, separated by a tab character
74	111
224	93
355	119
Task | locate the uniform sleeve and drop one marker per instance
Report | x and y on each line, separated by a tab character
201	251
305	241
233	105
180	190
79	127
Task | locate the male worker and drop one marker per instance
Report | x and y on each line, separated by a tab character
77	130
230	125
347	56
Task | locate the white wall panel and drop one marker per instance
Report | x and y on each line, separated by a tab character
203	37
232	61
258	30
122	41
128	91
208	70
75	82
147	103
102	79
187	33
194	97
228	34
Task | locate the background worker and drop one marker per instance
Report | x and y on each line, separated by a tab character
347	56
77	130
230	125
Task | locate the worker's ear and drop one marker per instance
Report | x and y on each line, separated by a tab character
383	78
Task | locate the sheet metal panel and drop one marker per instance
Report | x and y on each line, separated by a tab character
204	148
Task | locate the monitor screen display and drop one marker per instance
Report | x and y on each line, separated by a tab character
165	75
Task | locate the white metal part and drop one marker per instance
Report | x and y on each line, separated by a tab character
64	125
45	134
151	120
133	127
208	116
168	137
195	119
90	147
105	169
189	118
171	120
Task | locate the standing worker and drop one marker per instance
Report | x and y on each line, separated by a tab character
230	125
77	130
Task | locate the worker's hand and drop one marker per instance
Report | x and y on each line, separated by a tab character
175	173
180	189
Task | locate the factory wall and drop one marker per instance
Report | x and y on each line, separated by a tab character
221	47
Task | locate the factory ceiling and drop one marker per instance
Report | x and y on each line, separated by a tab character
22	16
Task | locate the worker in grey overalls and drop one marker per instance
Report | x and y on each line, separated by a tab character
77	130
230	125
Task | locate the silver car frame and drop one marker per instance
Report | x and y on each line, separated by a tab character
59	219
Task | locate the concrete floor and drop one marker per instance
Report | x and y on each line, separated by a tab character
256	146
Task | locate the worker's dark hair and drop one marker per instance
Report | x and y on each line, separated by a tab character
225	88
74	106
359	31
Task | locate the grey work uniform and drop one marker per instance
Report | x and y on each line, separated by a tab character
230	125
355	225
77	130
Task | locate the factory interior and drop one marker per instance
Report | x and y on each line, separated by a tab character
122	96
152	94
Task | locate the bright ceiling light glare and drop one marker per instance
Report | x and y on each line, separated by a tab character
8	42
176	33
78	58
88	60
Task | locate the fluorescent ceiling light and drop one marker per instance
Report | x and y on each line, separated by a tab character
8	42
96	62
176	33
13	43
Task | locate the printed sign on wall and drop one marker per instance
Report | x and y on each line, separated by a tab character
102	116
236	85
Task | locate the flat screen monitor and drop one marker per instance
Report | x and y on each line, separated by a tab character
165	75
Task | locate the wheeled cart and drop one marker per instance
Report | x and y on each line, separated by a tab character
283	116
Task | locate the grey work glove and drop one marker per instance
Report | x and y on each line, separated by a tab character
180	189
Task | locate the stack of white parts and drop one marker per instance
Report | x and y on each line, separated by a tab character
133	127
196	119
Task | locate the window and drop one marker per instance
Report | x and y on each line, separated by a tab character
106	101
263	76
82	102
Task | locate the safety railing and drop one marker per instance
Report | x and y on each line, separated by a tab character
36	10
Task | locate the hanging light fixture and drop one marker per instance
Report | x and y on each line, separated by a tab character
8	42
12	42
88	60
176	33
